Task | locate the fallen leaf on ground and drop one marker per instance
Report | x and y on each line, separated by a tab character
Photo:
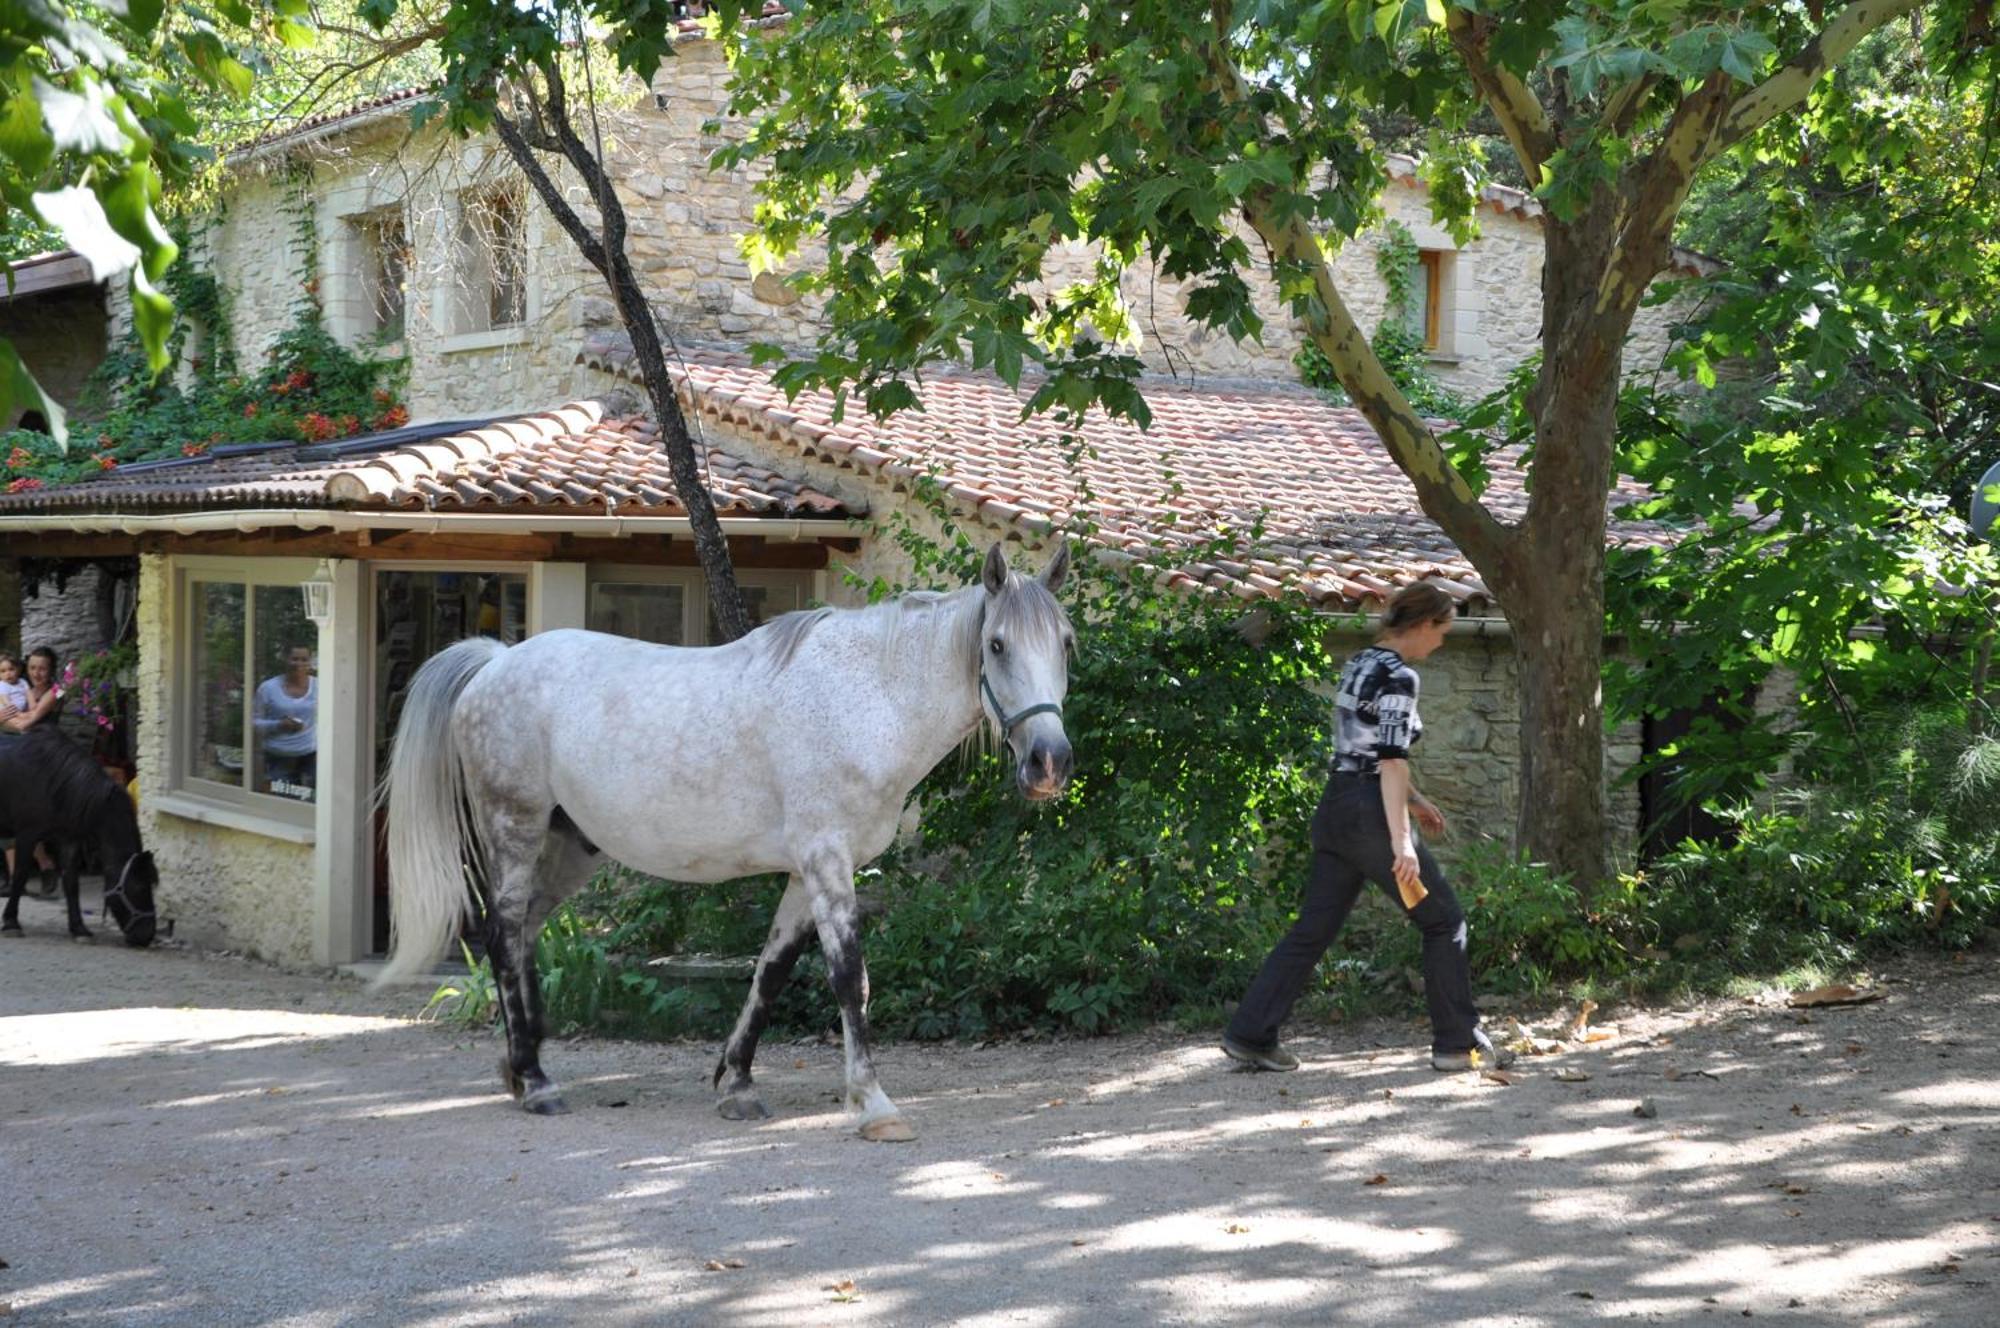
1500	1077
844	1289
1837	994
1569	1074
1581	1018
1078	1242
1236	1229
1601	1035
1058	1102
799	1064
1798	1189
1377	1179
631	1272
1645	1110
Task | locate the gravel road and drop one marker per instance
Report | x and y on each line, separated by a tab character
193	1139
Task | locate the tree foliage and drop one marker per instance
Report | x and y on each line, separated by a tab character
97	114
1824	481
943	150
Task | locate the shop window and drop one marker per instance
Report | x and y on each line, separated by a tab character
253	705
673	610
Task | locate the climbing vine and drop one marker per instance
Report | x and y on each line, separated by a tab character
1400	347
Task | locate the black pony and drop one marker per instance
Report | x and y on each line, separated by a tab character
51	790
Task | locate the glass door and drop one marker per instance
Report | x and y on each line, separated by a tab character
417	614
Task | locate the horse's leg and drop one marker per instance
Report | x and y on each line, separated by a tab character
791	931
17	881
830	889
546	864
69	859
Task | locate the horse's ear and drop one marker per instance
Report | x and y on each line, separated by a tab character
993	572
1058	568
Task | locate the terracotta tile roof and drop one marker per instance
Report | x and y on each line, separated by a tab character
568	461
1306	485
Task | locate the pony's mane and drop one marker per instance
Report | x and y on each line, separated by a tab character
71	777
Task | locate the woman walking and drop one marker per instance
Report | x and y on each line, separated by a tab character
1362	832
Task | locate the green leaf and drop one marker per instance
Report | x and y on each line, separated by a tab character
20	392
24	139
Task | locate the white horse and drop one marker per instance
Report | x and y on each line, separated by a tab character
793	749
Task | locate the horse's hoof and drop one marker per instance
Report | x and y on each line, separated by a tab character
84	937
545	1102
12	931
743	1106
888	1130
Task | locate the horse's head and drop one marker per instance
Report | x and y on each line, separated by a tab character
129	900
1024	644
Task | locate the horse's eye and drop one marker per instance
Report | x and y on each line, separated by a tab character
997	646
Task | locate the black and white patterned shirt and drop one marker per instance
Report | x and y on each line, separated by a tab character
1375	713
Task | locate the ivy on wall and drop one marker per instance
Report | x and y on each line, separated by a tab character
1397	343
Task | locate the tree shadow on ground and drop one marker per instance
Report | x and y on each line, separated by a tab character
245	1160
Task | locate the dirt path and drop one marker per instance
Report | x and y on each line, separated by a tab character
193	1140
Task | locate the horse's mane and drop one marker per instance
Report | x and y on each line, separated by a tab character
918	610
1025	609
72	779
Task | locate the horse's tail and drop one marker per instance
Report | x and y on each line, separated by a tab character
432	836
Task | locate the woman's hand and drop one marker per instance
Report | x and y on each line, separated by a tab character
1429	819
1409	877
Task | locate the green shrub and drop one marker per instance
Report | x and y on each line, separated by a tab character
1889	838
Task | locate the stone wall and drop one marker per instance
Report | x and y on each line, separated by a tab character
224	888
61	336
686	223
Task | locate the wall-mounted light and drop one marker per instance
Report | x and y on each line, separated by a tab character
317	592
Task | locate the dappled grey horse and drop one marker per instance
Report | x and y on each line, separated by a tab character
791	750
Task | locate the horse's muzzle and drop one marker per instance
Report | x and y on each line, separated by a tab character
1042	775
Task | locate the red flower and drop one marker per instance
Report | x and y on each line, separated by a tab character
315	427
25	484
393	418
384	397
193	449
349	425
250	411
298	380
105	461
18	458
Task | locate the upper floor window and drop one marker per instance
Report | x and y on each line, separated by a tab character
383	242
1426	310
492	271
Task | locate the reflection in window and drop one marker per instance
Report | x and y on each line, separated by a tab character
385	271
219	634
285	707
644	612
256	699
493	261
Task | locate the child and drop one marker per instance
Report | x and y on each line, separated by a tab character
13	690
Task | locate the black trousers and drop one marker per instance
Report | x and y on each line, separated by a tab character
1350	843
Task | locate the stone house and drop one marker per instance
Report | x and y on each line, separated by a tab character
529	495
